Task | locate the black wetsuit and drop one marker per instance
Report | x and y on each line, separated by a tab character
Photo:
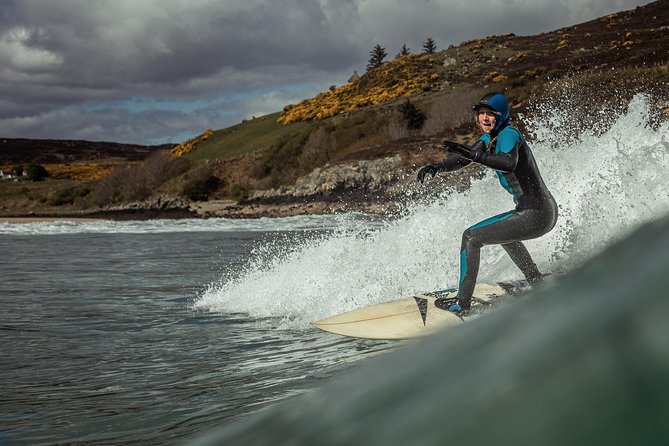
535	213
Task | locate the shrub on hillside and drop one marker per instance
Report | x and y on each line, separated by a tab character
238	192
67	196
277	165
405	122
138	182
413	117
316	150
395	129
199	184
36	172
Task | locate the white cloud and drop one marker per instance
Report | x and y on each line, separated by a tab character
19	53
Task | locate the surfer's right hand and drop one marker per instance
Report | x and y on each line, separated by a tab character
430	169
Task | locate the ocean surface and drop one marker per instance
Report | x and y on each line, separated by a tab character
102	342
156	332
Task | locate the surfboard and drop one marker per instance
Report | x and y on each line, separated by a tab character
412	316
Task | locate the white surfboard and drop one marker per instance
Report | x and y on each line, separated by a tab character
409	317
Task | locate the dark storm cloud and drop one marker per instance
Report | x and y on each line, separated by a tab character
158	44
60	58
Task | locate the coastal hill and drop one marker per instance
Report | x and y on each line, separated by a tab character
357	145
49	151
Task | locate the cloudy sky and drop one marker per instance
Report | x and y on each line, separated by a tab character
155	71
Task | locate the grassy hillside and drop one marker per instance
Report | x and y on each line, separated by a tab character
246	137
601	63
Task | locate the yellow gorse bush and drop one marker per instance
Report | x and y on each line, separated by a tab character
81	171
191	144
401	77
494	76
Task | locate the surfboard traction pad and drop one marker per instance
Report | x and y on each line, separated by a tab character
480	304
486	302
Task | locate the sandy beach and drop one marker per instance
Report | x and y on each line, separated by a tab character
43	219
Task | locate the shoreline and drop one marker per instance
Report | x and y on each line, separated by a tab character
98	215
46	219
211	209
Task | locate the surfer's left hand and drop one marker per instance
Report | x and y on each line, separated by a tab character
473	153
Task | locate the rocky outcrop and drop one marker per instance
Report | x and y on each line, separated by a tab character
377	186
160	207
359	178
370	186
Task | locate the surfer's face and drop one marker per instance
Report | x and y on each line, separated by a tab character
486	120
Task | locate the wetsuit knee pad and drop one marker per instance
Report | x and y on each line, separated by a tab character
469	239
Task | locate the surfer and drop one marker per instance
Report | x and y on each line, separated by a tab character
504	148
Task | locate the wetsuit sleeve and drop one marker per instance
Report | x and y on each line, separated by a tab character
505	157
450	164
454	162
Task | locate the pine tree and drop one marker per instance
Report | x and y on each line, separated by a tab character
376	57
403	51
429	47
413	117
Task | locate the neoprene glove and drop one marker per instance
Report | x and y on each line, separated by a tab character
430	169
474	153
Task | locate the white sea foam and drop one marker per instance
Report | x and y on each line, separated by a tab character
297	223
606	184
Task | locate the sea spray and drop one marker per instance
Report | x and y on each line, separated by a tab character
606	182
